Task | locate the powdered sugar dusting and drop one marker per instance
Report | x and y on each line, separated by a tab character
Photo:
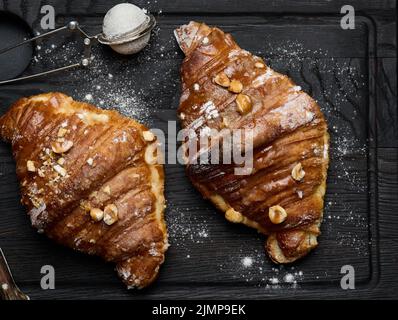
254	266
247	262
115	82
112	81
185	228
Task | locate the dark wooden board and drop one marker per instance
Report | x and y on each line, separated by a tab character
352	74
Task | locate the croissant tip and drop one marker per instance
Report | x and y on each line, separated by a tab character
185	35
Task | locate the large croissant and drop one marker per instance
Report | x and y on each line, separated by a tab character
89	181
224	86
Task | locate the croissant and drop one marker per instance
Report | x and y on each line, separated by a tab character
224	86
89	181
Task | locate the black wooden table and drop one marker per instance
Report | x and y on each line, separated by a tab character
351	73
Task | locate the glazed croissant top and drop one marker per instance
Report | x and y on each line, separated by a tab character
224	86
89	181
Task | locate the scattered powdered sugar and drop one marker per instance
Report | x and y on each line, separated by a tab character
203	234
252	266
185	228
209	110
247	262
289	278
274	280
115	82
88	97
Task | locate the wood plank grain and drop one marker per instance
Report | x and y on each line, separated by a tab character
387	115
204	260
220	6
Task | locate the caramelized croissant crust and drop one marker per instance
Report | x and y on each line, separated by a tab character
87	182
282	197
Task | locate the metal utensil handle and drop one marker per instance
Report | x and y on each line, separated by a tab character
72	26
8	288
41	73
33	39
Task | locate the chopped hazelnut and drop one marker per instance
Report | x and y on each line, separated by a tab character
61	147
110	214
107	190
222	80
148	136
90	161
94	194
277	214
61	132
243	103
233	216
41	173
96	214
85	205
225	123
235	86
297	172
30	165
150	155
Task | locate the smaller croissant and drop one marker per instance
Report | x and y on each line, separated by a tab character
89	181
